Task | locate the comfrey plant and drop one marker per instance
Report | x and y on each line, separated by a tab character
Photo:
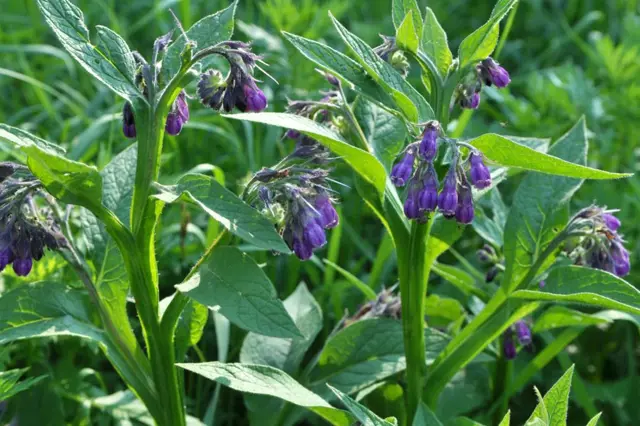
370	119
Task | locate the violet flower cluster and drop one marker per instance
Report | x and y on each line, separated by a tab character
416	171
599	244
24	232
519	332
487	72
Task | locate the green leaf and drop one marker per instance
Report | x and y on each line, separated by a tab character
556	401
286	354
443	307
539	210
401	8
207	32
506	420
506	152
233	283
408	99
9	385
366	352
355	281
434	44
407	35
559	316
385	132
343	67
67	22
190	326
459	278
22	138
481	43
362	413
111	278
225	207
576	284
362	162
466	392
425	417
540	415
594	420
265	380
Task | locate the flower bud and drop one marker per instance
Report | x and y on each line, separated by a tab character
328	214
254	98
173	125
523	333
611	222
508	345
470	102
487	254
292	134
428	195
401	172
314	234
22	266
541	284
620	257
479	173
128	121
412	203
491	274
448	197
429	144
301	249
464	210
493	74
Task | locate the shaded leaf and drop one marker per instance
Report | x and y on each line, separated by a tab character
362	413
559	316
425	417
9	385
555	402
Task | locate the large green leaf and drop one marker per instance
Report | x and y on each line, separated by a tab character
343	67
362	162
434	44
265	380
407	35
109	62
225	207
385	132
207	32
539	211
408	99
555	403
366	352
576	284
507	152
401	8
560	316
480	44
190	326
425	417
362	413
9	385
231	282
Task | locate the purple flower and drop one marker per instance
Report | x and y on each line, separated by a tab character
412	203
493	74
620	257
448	198
128	121
314	234
541	284
6	257
178	116
174	123
22	266
254	98
182	106
479	173
401	172
429	144
292	134
611	222
303	250
328	214
508	345
428	195
464	210
523	332
470	102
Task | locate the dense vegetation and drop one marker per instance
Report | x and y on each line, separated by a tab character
534	291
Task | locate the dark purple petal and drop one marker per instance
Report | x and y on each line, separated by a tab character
620	257
471	102
523	332
448	198
479	173
494	74
182	107
428	195
508	345
401	172
292	134
301	249
254	98
128	121
6	257
328	214
611	222
464	209
429	144
174	124
314	234
22	267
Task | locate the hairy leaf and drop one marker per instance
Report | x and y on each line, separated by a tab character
434	44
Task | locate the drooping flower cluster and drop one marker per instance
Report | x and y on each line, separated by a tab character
519	332
487	72
386	305
389	52
599	244
238	89
24	233
455	199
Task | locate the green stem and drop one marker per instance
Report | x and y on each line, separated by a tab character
504	372
414	270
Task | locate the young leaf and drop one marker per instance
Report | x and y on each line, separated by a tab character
9	385
408	99
343	67
366	352
225	207
594	420
434	44
265	380
509	153
385	132
539	209
556	402
576	284
231	282
362	413
425	417
401	8
286	354
506	420
363	163
22	138
67	22
559	316
480	44
407	35
117	50
207	32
